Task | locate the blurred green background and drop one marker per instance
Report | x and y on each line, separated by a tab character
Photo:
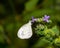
15	13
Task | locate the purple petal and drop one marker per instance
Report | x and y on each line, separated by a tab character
33	19
46	18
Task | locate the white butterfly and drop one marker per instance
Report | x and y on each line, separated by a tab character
25	32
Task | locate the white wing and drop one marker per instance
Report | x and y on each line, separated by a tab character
25	32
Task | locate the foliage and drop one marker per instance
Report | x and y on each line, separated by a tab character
49	36
15	13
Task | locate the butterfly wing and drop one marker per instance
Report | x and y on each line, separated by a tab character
25	31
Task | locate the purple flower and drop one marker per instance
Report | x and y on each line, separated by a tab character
46	18
33	19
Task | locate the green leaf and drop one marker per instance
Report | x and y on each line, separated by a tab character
49	47
1	38
57	41
1	28
10	27
55	30
48	3
1	34
52	32
42	42
39	29
31	5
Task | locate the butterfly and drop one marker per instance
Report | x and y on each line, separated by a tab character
25	32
